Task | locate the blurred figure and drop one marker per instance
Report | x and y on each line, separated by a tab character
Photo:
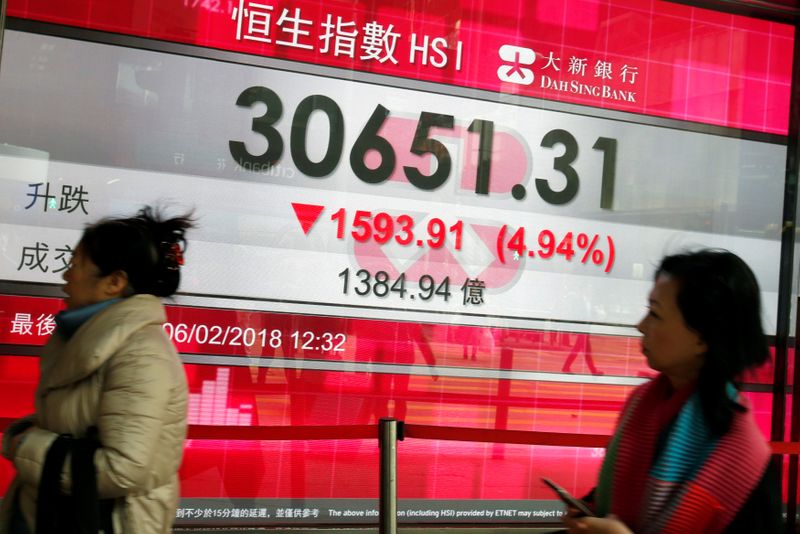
687	456
470	338
393	345
108	371
583	345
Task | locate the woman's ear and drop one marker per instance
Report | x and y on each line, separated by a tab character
115	284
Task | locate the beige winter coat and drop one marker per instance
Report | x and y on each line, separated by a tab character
118	372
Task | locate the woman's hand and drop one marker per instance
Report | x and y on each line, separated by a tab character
594	525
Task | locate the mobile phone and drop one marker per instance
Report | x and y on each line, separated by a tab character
568	499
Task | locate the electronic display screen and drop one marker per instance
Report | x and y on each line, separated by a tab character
452	219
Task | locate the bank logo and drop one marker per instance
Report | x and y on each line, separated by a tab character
513	69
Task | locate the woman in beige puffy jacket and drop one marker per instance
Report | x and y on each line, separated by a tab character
109	365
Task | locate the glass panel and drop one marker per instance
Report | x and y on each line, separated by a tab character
423	213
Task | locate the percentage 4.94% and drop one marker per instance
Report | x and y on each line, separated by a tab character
548	245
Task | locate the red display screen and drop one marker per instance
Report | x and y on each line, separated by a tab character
657	58
380	369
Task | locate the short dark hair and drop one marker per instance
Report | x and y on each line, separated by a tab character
719	298
147	246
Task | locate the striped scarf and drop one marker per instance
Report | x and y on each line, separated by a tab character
697	483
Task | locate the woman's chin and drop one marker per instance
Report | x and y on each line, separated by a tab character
653	366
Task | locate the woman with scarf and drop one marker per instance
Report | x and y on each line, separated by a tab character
110	377
687	456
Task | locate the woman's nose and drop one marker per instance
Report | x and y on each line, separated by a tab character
640	325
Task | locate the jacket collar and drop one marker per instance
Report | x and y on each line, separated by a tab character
95	341
68	321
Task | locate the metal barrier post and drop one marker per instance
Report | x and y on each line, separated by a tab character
2	26
389	431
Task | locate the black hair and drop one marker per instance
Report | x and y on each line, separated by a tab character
719	298
147	246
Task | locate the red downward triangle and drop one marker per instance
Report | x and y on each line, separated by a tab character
307	214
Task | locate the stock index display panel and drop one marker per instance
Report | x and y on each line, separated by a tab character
449	215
